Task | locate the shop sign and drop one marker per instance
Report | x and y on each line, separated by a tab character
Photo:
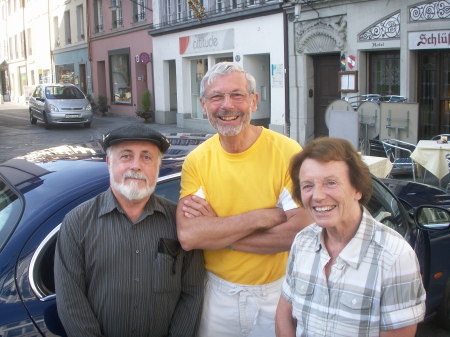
207	42
433	39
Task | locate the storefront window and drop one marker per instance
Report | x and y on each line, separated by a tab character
385	73
199	67
119	64
65	73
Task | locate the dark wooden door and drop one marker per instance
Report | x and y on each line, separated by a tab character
326	68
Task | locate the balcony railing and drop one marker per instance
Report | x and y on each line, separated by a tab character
234	9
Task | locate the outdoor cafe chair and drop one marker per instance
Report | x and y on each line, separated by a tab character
399	153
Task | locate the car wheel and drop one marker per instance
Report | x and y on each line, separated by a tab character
443	316
47	124
87	125
33	120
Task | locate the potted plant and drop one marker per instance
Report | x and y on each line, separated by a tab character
102	104
145	111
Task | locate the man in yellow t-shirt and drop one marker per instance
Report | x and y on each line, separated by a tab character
236	205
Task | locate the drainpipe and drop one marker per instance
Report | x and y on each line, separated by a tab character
287	114
50	43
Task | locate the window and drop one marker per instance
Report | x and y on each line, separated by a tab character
117	17
56	31
22	44
168	11
98	16
219	5
80	23
65	73
119	67
10	210
139	10
67	31
198	70
385	73
384	207
16	46
29	42
179	10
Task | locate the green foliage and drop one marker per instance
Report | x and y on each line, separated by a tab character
102	103
146	107
146	100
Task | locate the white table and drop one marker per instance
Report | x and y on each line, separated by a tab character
431	155
380	167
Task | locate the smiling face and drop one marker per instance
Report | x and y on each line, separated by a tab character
133	168
229	104
328	195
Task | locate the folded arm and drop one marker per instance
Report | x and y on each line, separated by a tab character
199	227
276	239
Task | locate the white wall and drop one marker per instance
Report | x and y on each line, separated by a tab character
255	36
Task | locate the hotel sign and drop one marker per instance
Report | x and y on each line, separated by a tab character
207	42
433	39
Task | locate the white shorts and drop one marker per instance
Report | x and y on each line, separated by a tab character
231	309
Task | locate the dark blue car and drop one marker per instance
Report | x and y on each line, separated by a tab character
38	189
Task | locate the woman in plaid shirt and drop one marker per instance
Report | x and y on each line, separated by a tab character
347	274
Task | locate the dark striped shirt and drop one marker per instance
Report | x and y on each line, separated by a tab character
118	278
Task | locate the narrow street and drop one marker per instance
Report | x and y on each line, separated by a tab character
18	136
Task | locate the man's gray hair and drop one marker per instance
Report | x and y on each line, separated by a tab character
225	68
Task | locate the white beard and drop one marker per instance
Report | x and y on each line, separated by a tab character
131	190
229	130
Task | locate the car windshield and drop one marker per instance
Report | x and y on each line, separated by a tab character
61	92
10	209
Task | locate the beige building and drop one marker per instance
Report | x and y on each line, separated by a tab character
345	49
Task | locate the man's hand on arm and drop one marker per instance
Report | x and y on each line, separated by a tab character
199	227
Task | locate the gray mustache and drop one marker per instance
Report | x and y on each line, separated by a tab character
135	175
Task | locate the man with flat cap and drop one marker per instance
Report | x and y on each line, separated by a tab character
119	268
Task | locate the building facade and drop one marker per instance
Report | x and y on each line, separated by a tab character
120	51
42	42
68	41
345	49
190	37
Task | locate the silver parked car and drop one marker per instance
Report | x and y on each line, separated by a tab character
59	103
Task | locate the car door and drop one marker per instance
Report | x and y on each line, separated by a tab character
37	102
35	276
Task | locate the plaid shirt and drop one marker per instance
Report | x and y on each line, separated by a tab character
374	285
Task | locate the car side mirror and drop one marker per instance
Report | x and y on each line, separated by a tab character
432	217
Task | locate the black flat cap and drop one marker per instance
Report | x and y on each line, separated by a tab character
135	132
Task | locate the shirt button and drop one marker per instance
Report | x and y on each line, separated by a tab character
137	251
354	301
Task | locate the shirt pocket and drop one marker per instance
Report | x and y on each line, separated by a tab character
357	308
303	297
167	273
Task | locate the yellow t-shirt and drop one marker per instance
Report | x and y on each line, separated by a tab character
235	183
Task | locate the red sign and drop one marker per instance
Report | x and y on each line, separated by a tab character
144	58
351	61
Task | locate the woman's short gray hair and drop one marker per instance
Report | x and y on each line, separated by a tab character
225	68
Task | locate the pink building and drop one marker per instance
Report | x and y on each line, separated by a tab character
120	52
